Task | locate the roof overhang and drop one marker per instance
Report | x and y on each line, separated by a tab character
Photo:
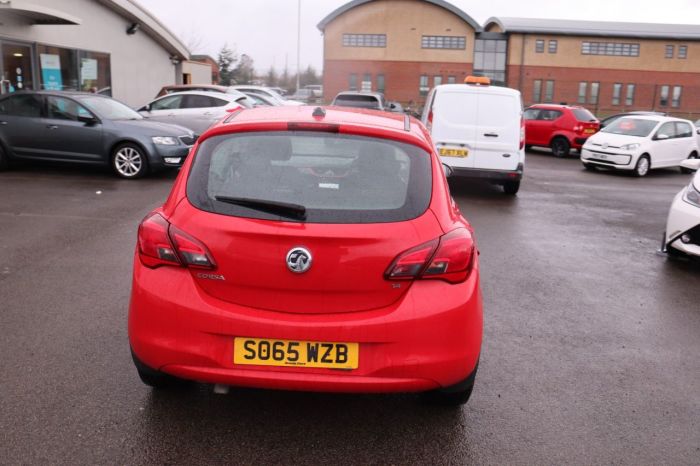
36	14
441	3
148	23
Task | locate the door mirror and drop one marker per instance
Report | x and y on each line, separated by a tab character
145	108
698	131
447	170
661	137
88	119
691	164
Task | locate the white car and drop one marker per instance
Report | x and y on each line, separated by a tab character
682	234
196	110
641	143
266	91
478	130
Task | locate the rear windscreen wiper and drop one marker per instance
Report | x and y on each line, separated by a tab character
284	209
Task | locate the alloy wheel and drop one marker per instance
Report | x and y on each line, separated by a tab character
128	162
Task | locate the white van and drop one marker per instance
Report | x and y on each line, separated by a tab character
478	131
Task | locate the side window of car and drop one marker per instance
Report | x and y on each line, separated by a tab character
26	105
65	109
683	130
531	114
192	101
667	131
214	102
549	115
167	103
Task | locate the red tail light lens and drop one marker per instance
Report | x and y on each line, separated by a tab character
430	120
161	243
449	258
411	263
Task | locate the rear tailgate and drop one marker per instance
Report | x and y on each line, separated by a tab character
454	127
498	134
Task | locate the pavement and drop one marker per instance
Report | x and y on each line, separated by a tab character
590	349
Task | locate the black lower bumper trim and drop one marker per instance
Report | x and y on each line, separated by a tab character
492	175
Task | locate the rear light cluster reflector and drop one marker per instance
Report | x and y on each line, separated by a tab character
161	243
449	258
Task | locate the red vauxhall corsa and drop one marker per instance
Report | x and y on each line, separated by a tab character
310	249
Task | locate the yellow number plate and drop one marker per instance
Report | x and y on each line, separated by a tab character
287	353
588	131
453	152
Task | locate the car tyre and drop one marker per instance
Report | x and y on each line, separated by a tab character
528	148
456	395
129	161
511	187
154	378
560	147
4	159
688	171
642	167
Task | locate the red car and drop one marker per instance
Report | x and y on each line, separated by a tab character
309	249
559	127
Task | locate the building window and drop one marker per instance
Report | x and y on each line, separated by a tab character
617	91
95	73
582	91
629	98
617	49
444	42
539	46
537	91
366	83
663	97
676	99
437	80
59	68
490	57
352	82
424	86
549	91
451	80
683	51
381	83
595	91
669	51
553	44
364	40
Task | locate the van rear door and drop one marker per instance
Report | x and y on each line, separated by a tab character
454	117
498	132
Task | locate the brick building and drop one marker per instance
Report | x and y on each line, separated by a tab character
405	47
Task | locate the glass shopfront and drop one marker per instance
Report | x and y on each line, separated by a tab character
27	66
16	70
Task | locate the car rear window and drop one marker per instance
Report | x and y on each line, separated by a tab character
337	178
357	101
582	114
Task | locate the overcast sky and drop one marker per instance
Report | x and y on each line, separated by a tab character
267	29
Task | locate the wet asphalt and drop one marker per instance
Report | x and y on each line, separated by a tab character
590	351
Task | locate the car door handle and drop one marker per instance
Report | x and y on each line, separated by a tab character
491	135
52	126
207	113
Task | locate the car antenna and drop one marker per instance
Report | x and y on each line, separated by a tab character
406	123
319	113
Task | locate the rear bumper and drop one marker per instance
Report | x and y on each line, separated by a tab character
491	175
417	344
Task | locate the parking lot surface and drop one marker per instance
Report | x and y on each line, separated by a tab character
590	350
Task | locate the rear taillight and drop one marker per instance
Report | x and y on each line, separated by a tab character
161	243
430	120
522	133
449	258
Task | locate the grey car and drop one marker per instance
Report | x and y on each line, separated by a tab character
87	128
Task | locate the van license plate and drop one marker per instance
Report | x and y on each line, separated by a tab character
588	131
287	353
453	152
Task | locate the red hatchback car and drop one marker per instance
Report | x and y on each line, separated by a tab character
310	249
559	127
